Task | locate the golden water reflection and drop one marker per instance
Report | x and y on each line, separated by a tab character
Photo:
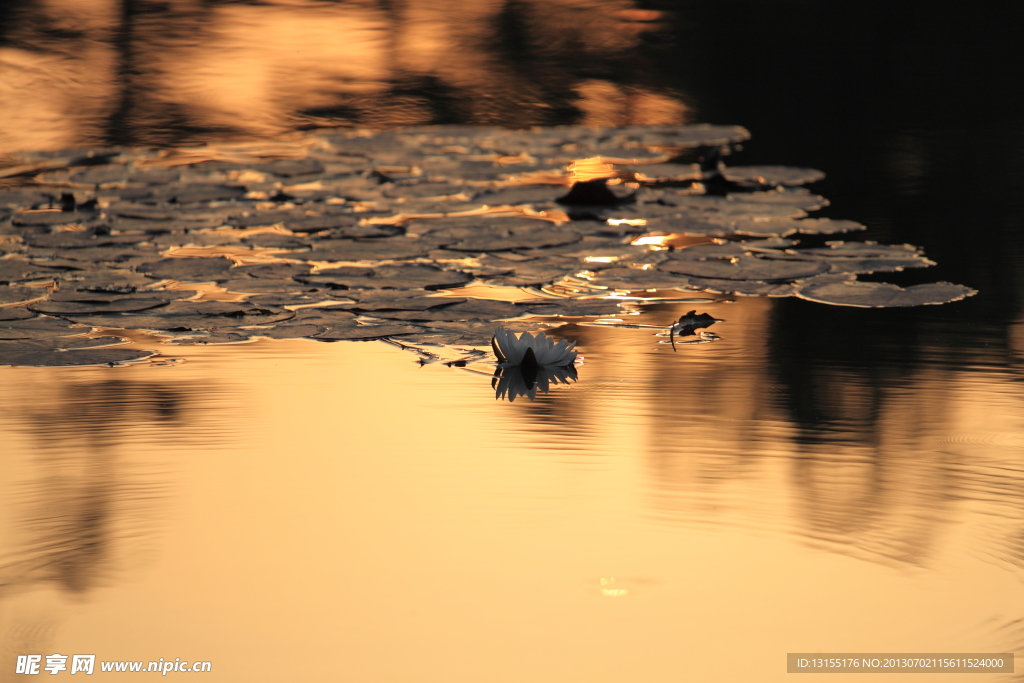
324	507
95	72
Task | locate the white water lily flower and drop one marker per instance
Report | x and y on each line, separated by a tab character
528	351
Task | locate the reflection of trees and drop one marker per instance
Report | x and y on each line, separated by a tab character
853	428
148	72
79	495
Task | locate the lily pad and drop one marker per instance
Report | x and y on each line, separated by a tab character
382	249
51	218
367	332
634	278
390	277
883	294
533	238
773	175
272	271
569	307
12	294
115	306
746	268
37	328
44	354
189	269
17	270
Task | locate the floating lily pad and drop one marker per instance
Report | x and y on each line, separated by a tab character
264	286
80	240
799	197
393	277
382	249
517	195
634	278
367	332
291	167
15	269
129	293
729	250
274	241
287	331
218	336
743	288
537	271
532	238
12	294
15	313
115	306
314	224
685	225
569	307
53	354
661	173
746	268
188	194
272	271
36	328
399	301
773	175
883	294
189	269
51	218
470	309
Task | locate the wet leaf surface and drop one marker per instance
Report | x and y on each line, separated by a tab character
378	221
13	294
882	294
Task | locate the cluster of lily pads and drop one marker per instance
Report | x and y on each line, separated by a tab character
356	235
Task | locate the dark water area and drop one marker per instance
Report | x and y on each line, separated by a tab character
866	458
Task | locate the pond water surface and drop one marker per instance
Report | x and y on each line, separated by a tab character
820	479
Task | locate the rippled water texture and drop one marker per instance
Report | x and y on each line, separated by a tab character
819	479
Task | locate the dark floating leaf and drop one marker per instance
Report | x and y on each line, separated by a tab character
36	328
746	268
12	294
534	237
49	217
384	248
252	285
291	167
367	332
882	294
634	278
16	270
571	307
517	195
80	240
773	175
289	331
399	300
15	313
189	194
389	277
189	269
272	271
54	351
218	336
115	306
743	288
